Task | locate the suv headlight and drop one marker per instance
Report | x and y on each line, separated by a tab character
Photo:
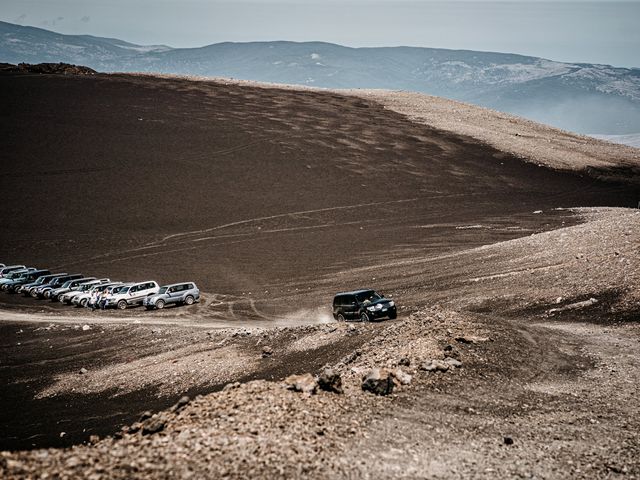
371	308
392	303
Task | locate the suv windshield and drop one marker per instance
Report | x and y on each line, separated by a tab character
163	289
367	297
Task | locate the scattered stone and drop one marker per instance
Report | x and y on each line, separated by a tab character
434	366
231	386
404	362
378	381
508	440
133	428
574	306
85	328
83	371
463	339
153	425
351	357
304	383
267	351
73	462
330	381
93	439
452	362
401	377
180	404
145	415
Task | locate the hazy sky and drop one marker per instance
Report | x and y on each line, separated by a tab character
601	31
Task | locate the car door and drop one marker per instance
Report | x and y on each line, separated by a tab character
350	307
171	295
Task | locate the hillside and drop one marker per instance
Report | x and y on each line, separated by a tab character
584	98
514	353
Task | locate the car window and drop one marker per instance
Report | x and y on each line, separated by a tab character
368	296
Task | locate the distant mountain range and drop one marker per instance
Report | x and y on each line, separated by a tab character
584	98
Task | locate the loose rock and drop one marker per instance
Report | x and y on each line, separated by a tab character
378	381
153	425
402	378
452	362
302	383
180	404
267	351
434	366
330	381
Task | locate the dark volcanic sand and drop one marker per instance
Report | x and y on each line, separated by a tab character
271	200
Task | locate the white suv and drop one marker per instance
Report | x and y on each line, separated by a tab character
132	295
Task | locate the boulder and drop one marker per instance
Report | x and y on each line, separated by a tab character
304	383
330	381
378	381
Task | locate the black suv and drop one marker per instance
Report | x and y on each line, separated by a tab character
364	305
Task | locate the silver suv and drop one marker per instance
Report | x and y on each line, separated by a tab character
132	295
179	293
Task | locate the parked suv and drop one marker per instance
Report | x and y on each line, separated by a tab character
5	270
45	279
54	294
80	288
185	293
83	297
12	275
132	295
41	291
364	305
25	278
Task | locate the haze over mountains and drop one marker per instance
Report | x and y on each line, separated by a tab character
585	98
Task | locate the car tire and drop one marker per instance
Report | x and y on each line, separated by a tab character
160	304
393	316
340	318
189	300
84	302
364	317
122	305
